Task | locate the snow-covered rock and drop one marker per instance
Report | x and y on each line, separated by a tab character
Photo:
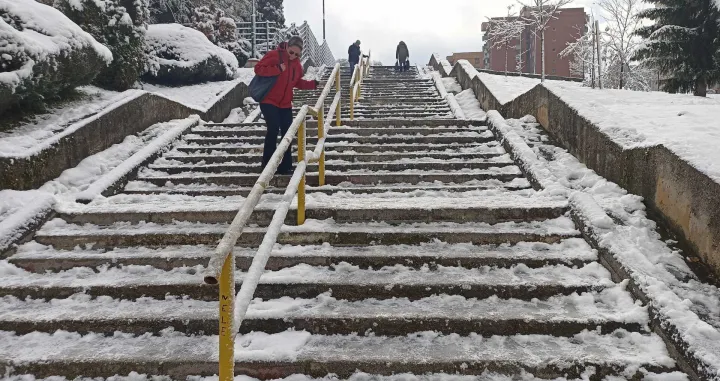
178	55
42	53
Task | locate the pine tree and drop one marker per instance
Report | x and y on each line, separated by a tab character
118	24
683	44
272	10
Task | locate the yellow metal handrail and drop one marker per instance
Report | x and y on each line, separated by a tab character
221	267
362	70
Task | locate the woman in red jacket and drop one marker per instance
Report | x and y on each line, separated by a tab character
276	108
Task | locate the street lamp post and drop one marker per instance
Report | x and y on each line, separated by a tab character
254	30
323	20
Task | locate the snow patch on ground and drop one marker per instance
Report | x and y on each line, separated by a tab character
470	105
452	85
685	124
691	306
19	209
46	129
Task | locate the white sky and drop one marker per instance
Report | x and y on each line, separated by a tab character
426	26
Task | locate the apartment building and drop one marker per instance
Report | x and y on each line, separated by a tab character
475	58
524	53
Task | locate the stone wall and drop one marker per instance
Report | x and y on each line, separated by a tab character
102	132
685	200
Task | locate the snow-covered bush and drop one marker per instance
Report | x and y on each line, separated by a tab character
118	24
221	31
227	39
178	55
43	53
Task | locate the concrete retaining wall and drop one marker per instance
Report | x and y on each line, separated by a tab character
136	115
686	200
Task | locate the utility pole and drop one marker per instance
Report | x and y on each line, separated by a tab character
597	43
254	31
323	20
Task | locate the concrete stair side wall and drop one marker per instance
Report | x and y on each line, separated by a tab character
136	115
684	199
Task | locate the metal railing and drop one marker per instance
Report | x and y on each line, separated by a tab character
221	268
362	69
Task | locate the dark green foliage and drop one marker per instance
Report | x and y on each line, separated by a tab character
272	10
683	44
121	27
36	72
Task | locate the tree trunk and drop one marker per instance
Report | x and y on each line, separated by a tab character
700	87
506	57
622	71
542	54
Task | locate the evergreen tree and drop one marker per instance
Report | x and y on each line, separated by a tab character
683	44
118	24
272	10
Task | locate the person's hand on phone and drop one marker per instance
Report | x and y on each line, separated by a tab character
283	67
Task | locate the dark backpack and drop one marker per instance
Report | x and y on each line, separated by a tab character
260	86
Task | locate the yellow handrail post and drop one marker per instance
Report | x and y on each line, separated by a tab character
321	134
352	103
226	330
337	109
301	188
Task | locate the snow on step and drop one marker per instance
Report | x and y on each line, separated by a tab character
556	226
286	353
592	276
570	251
167	203
613	304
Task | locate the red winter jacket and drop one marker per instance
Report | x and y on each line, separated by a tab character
281	95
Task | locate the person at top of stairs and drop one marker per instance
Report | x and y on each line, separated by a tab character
354	55
402	54
277	105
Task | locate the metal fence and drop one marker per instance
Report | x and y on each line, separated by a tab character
267	35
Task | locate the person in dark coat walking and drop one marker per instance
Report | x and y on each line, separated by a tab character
402	54
354	55
283	62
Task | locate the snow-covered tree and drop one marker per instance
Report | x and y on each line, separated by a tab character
504	32
537	14
204	19
170	11
582	51
619	37
683	43
227	39
118	24
271	10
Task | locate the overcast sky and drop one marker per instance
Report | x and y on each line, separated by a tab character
426	26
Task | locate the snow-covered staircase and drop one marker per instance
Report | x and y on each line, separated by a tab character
427	252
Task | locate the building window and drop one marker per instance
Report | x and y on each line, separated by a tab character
554	71
477	61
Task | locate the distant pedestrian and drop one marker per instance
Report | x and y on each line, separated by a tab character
276	107
354	55
402	54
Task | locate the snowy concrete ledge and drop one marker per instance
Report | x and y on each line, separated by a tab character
681	307
640	141
47	159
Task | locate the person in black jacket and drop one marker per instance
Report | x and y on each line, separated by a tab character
354	55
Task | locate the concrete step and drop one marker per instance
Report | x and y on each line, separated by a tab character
573	252
331	147
331	178
466	137
353	157
142	187
558	316
343	282
294	352
217	131
63	235
151	209
333	165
